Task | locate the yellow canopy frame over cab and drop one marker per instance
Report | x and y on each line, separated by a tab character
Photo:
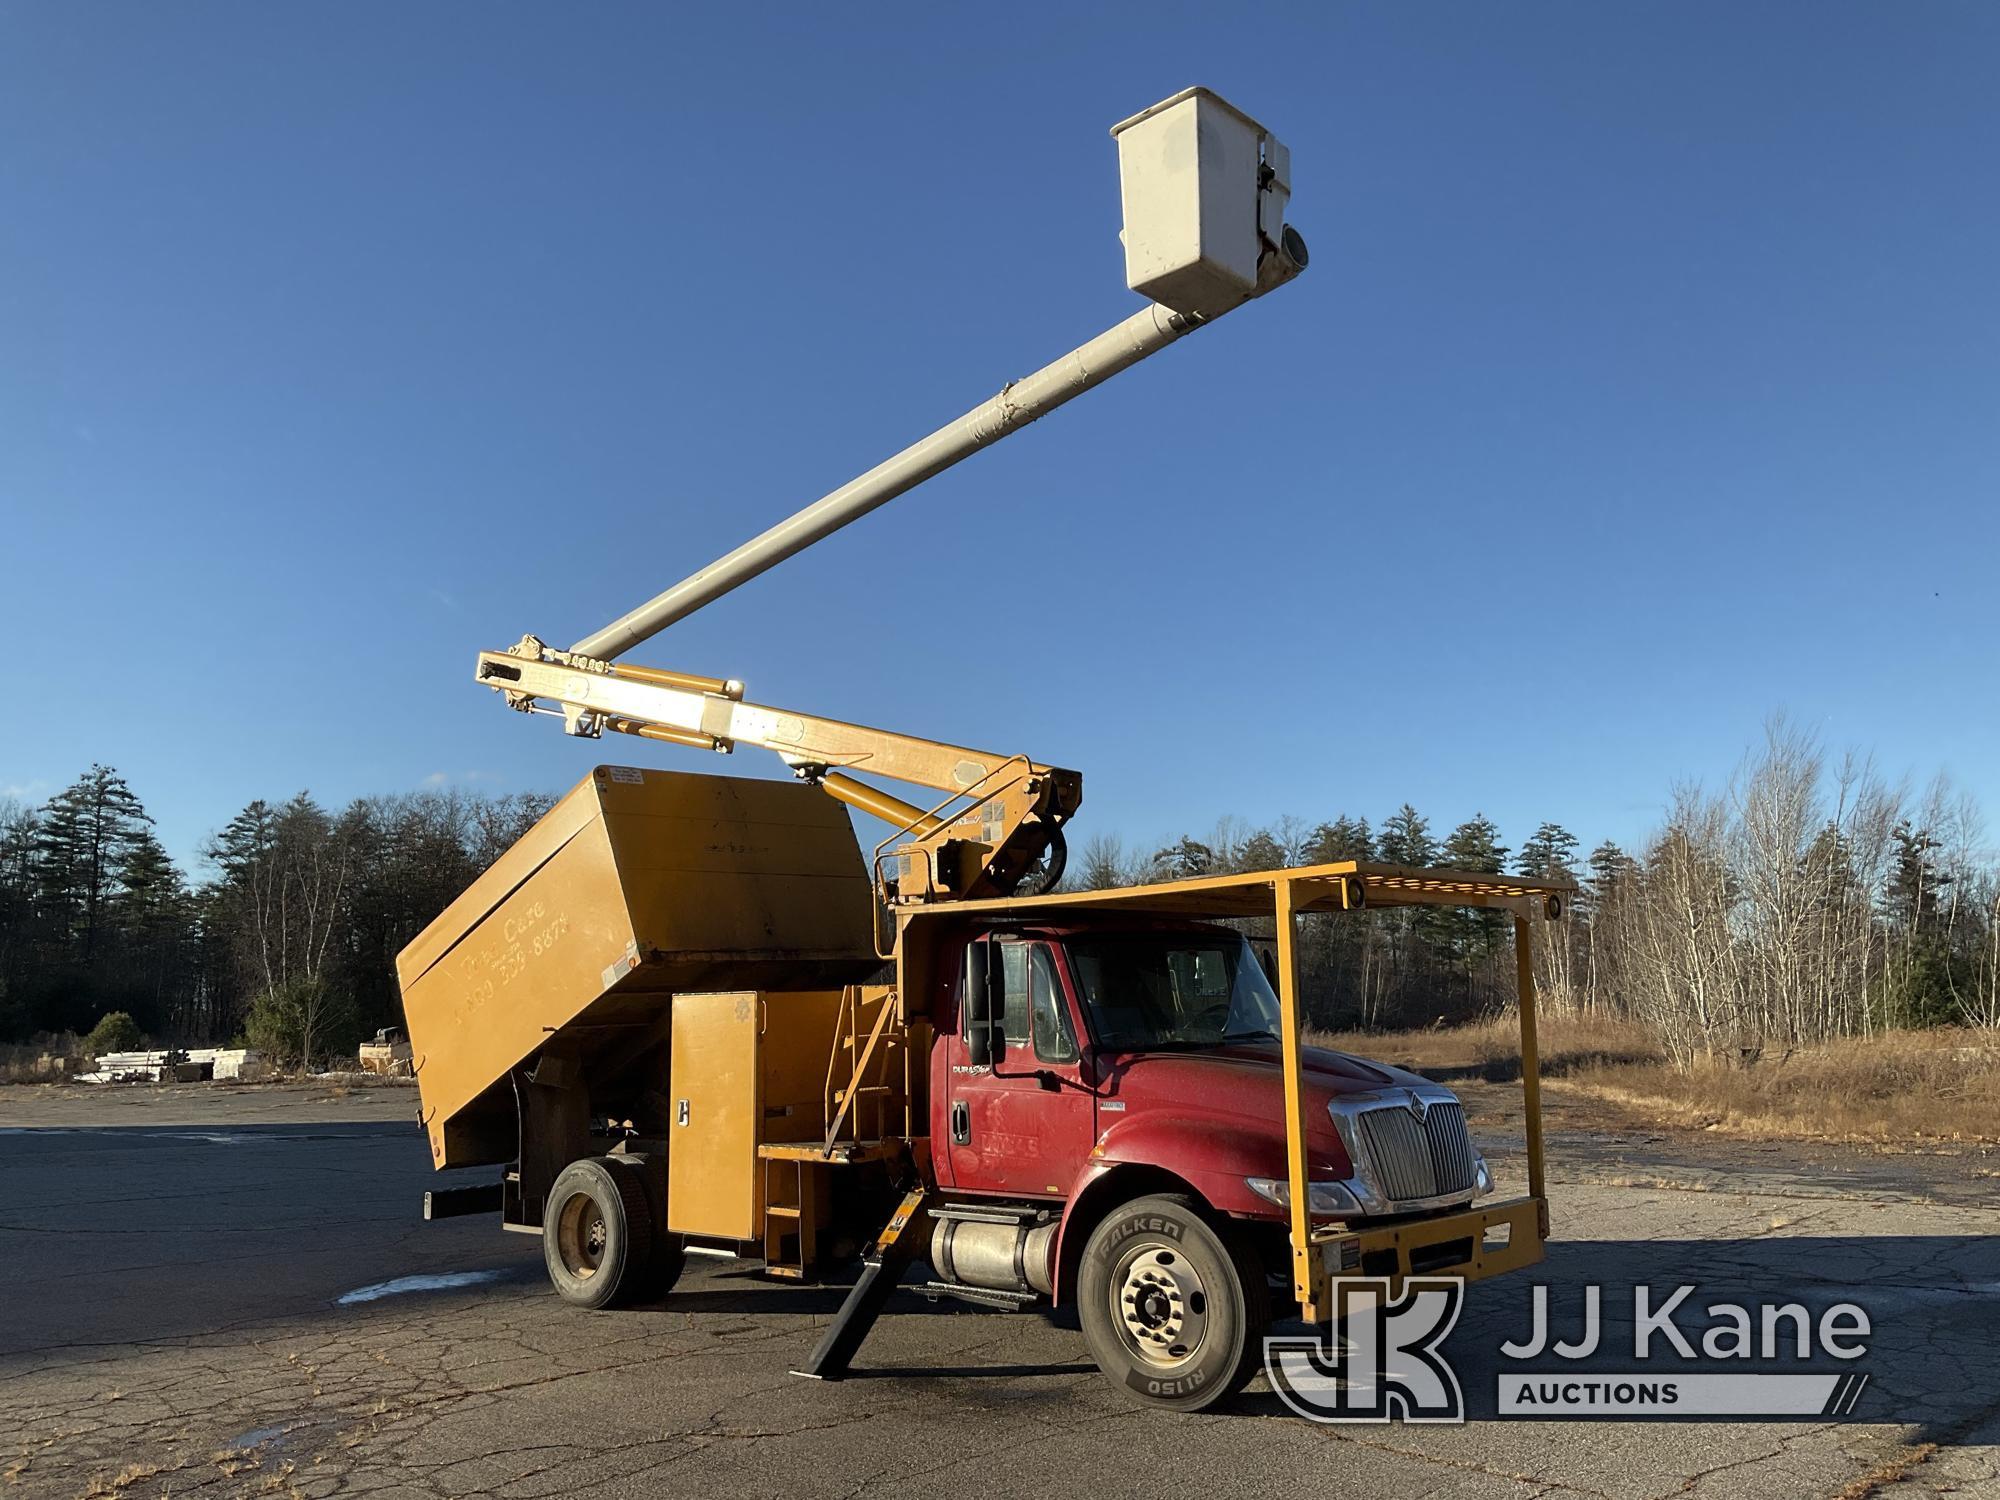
1321	1252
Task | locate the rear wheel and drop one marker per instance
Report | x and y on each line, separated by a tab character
597	1233
1173	1307
668	1258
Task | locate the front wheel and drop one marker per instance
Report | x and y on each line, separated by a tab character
1173	1308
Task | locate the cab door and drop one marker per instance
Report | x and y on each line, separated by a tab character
1026	1124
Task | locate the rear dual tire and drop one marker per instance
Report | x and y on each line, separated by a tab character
604	1235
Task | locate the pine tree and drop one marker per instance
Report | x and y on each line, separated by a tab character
1921	982
82	840
150	886
154	929
1413	933
1610	868
1260	852
94	917
1475	845
1406	839
1186	858
1915	882
17	889
1549	853
1470	934
1343	838
245	843
245	854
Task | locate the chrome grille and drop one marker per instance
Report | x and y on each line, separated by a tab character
1412	1158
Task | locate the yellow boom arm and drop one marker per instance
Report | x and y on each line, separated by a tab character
1001	814
1204	234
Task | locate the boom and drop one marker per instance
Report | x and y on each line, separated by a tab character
1001	813
1205	189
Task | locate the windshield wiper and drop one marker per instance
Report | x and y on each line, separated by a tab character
1250	1036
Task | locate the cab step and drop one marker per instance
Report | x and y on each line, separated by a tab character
982	1296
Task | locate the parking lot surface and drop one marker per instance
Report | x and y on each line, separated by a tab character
232	1292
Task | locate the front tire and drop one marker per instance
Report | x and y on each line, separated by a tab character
597	1233
1173	1307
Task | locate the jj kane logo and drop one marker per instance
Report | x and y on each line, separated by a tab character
1381	1359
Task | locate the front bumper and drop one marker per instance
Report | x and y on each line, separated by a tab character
1471	1244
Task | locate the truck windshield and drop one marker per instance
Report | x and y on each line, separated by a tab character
1151	991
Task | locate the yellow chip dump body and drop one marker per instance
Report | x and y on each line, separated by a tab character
636	884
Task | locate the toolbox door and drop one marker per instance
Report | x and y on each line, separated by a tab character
716	1102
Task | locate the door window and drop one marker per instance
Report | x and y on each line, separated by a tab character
1033	1012
1055	1039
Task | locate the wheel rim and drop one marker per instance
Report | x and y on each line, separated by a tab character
1159	1305
580	1236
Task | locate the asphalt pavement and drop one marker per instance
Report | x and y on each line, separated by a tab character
232	1292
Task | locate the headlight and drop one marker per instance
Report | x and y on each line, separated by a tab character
1482	1180
1321	1197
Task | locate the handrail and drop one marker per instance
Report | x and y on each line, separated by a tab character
937	817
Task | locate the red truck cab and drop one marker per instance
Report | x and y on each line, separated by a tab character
1132	1074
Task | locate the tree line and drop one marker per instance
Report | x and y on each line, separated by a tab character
288	939
1804	900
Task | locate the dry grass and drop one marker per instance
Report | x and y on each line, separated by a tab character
126	1477
1897	1466
1491	1050
1939	1085
51	1061
1935	1085
1650	1180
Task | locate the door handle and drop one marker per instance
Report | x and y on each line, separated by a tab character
961	1123
681	1115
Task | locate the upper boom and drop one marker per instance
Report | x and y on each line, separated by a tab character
1205	189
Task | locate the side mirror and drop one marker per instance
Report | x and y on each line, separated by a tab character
979	1008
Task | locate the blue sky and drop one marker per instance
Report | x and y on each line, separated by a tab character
1644	383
